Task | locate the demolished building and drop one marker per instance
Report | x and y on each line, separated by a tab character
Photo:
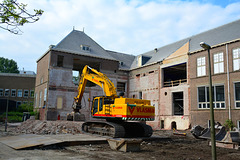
165	75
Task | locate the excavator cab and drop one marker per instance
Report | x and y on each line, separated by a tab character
100	105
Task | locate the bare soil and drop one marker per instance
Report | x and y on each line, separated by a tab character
170	147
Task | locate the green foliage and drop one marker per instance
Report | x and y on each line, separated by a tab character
14	14
229	125
25	108
18	115
8	66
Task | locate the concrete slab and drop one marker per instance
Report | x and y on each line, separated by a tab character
32	140
28	140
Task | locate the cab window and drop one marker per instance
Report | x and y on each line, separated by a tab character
95	106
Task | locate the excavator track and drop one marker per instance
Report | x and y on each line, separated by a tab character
118	129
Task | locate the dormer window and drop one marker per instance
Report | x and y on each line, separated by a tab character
85	48
142	59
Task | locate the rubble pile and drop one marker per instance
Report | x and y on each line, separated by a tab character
49	127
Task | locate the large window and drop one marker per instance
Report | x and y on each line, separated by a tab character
237	94
201	66
32	93
26	92
218	63
13	92
60	61
7	92
236	59
19	93
218	97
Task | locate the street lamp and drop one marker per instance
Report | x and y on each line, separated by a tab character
213	140
6	90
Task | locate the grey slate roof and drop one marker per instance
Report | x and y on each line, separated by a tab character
224	33
72	42
126	59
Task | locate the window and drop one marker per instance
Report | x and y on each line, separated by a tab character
201	66
1	92
26	92
238	124
45	94
120	86
6	92
32	93
40	99
237	94
218	63
218	97
36	96
60	61
140	95
85	48
13	94
236	59
19	94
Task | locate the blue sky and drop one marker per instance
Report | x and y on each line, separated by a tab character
128	26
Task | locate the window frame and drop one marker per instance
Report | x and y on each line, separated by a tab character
5	91
1	92
19	92
201	67
235	100
206	104
12	92
237	59
31	93
218	63
27	93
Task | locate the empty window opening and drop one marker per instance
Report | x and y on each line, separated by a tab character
75	77
140	95
178	108
162	124
120	86
174	125
175	75
60	61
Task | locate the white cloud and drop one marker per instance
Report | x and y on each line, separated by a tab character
131	26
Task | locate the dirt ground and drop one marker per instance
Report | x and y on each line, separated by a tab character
170	147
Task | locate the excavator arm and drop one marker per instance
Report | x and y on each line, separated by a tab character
99	79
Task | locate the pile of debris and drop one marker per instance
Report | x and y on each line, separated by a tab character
49	127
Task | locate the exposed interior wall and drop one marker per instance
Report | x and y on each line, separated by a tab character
144	84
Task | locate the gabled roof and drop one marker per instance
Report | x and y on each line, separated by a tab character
219	35
72	44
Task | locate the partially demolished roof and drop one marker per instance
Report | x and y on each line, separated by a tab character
219	35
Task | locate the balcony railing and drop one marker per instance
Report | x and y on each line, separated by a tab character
174	83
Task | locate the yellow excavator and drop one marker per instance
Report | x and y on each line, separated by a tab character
118	112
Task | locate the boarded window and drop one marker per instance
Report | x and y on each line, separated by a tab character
60	61
59	103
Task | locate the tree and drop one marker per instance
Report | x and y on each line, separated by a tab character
14	14
8	66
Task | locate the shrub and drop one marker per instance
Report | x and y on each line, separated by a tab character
229	125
